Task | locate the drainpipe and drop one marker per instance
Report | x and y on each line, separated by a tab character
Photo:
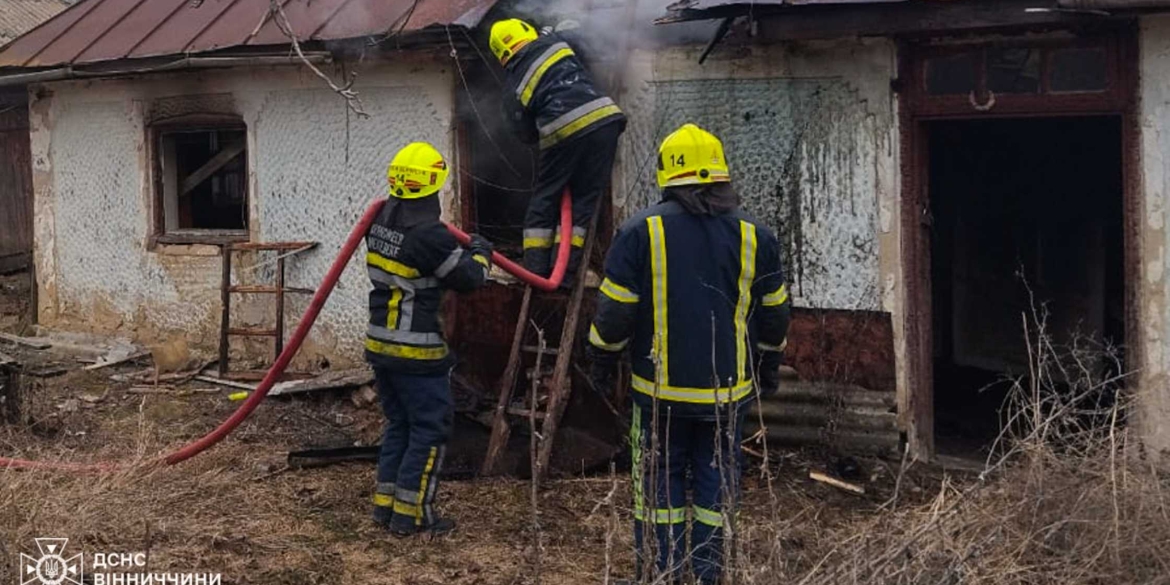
186	63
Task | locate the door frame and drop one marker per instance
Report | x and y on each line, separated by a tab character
916	110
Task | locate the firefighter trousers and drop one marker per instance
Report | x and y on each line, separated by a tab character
420	412
674	457
585	166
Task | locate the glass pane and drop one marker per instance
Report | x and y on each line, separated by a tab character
1013	70
951	75
1079	70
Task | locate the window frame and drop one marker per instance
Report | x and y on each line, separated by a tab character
192	123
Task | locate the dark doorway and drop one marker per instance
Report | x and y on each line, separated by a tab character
1018	204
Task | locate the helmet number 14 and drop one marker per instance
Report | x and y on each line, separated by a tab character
678	161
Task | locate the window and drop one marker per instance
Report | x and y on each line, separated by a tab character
201	181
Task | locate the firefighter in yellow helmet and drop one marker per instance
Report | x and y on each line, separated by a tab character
551	99
411	260
694	290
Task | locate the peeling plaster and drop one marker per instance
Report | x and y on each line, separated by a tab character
313	171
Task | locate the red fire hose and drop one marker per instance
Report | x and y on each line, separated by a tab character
298	337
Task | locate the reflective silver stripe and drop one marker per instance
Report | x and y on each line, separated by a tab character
381	276
573	114
385	489
403	336
450	263
538	233
536	65
406	311
406	496
775	348
433	483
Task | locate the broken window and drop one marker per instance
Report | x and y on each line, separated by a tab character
202	181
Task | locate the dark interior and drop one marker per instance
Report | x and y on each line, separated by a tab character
1018	204
218	202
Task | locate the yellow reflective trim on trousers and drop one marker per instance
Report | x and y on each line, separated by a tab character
636	457
708	517
577	242
406	509
658	281
579	124
392	308
663	515
617	292
691	395
534	81
392	266
406	351
422	488
596	341
777	298
747	274
530	243
383	500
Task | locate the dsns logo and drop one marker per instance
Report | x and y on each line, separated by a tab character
52	568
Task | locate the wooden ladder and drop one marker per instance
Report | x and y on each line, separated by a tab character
227	289
558	387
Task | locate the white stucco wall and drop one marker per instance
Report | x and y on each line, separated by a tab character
313	170
1153	309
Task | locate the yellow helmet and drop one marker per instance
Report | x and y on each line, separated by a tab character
509	36
691	156
417	171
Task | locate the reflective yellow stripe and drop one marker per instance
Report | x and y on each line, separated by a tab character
747	274
596	341
708	517
578	241
578	125
406	509
383	500
392	309
658	278
530	87
530	243
426	476
392	266
406	351
480	259
617	292
636	457
663	515
691	395
777	298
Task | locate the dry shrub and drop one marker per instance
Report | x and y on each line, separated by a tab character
1068	496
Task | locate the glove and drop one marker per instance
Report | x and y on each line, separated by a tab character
768	372
480	245
603	370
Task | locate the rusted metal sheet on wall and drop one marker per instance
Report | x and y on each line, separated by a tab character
15	185
843	347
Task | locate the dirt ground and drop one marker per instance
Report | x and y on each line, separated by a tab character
238	510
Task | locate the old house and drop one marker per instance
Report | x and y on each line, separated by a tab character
918	157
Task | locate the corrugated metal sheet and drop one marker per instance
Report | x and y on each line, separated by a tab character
108	30
20	16
839	416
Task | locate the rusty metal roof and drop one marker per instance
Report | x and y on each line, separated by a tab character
107	30
18	16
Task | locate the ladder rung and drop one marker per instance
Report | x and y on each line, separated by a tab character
260	289
248	332
524	412
534	349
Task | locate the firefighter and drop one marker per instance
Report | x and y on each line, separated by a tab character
694	290
551	100
411	259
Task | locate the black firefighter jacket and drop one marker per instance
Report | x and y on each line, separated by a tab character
697	299
410	266
550	97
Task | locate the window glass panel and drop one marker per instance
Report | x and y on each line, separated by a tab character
1079	70
951	75
1013	70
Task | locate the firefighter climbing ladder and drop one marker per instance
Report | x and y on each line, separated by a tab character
559	387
